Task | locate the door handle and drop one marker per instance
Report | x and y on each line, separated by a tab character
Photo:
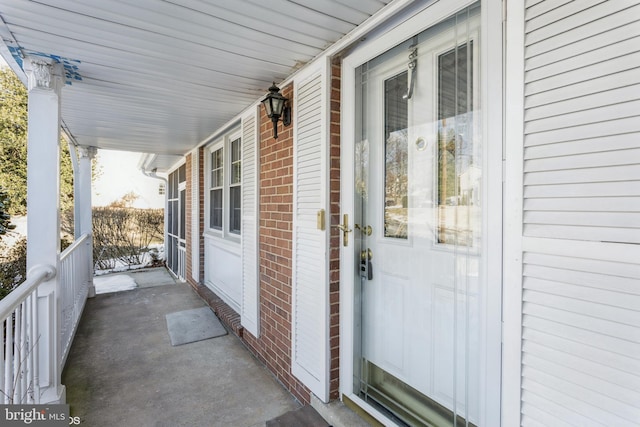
344	227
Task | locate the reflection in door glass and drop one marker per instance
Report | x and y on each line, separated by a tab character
458	176
396	157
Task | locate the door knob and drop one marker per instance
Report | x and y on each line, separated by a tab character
366	255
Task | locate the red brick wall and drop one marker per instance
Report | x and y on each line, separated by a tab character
334	245
273	346
188	204
201	190
195	234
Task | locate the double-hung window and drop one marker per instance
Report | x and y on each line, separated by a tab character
225	185
216	189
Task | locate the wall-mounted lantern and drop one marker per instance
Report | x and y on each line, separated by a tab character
277	106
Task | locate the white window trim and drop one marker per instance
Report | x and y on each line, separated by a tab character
223	142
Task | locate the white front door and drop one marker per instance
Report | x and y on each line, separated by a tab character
418	227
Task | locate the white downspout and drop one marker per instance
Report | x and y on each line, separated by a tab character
153	174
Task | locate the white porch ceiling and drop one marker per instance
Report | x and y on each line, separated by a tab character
159	76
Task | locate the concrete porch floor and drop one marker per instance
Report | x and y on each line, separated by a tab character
123	371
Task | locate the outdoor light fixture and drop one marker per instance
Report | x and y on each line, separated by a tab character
277	106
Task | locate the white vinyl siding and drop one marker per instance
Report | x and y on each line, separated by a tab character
310	284
581	222
249	239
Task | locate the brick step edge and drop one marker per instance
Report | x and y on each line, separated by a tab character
226	314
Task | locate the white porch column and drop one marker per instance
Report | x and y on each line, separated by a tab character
84	193
43	218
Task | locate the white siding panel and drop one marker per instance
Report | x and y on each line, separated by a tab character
593	42
577	90
592	404
543	7
606	358
622	394
583	146
570	273
574	265
573	16
582	74
581	62
533	415
593	174
310	282
581	222
584	336
595	219
250	280
596	33
610	127
557	16
597	189
601	114
607	373
602	234
601	326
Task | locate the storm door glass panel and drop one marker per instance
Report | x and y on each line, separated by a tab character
396	157
458	172
417	228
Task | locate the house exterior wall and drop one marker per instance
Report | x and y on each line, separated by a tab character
273	344
559	271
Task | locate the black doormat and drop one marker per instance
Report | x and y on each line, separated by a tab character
301	417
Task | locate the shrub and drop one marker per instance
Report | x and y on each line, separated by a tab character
13	266
124	234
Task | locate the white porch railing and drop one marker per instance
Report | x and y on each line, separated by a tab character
19	316
76	273
25	362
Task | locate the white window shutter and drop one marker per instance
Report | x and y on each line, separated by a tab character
310	320
249	253
581	262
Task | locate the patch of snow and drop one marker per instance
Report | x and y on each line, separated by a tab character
19	232
120	267
114	283
147	261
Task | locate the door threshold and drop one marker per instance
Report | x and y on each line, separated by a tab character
361	412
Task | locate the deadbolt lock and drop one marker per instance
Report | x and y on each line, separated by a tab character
366	229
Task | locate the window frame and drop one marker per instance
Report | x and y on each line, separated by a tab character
223	143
